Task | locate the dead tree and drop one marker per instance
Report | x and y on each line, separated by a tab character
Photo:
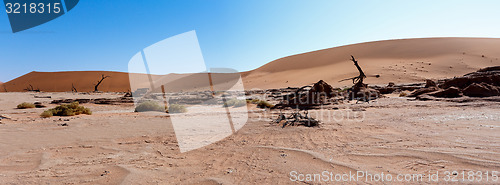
296	118
99	83
73	89
357	80
31	89
360	90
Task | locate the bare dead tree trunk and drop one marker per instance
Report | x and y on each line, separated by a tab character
73	89
99	82
358	81
31	89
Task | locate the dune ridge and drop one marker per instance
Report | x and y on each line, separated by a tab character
399	61
403	60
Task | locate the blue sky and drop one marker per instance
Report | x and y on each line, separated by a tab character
104	35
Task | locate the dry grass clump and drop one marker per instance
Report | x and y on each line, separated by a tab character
235	103
155	106
26	105
177	108
150	106
70	109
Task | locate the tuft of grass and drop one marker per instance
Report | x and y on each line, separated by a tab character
70	109
26	105
150	106
177	108
264	104
235	103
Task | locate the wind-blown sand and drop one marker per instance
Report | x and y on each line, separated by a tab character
405	60
115	145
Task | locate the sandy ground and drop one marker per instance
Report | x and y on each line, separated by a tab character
116	146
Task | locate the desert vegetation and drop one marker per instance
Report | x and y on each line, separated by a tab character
235	103
26	105
70	109
177	108
155	106
150	106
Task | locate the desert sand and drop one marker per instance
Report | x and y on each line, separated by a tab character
391	135
116	145
399	61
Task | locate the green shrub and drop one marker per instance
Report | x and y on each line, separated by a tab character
235	103
150	106
264	104
25	106
177	108
71	109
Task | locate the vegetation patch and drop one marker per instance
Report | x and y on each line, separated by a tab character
150	106
177	108
26	105
235	103
70	109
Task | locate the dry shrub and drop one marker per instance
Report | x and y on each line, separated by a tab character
70	109
177	108
150	106
26	105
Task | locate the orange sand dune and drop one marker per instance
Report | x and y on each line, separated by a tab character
62	81
399	61
405	60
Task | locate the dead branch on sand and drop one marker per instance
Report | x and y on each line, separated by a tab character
296	118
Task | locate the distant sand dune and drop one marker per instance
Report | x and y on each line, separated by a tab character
405	60
61	81
399	61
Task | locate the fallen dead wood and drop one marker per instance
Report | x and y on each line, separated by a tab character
295	119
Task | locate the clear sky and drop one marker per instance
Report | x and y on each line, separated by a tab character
239	34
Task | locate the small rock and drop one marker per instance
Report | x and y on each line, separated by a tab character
105	173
